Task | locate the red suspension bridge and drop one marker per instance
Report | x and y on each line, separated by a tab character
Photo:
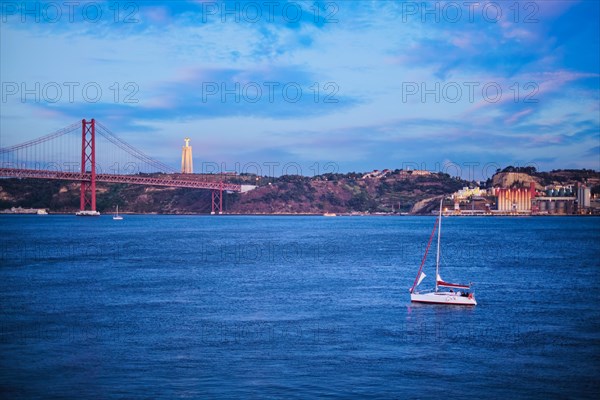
81	161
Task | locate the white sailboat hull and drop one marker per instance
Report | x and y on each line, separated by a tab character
443	298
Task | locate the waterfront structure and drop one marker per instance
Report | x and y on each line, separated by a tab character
555	200
553	205
21	210
583	197
187	166
516	200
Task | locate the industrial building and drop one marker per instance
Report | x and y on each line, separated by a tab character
515	200
583	197
575	198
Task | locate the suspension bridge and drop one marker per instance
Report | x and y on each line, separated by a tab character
88	152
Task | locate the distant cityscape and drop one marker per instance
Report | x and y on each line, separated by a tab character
551	200
515	193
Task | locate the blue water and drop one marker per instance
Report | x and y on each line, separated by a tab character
295	307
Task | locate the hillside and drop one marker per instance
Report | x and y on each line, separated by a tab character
395	191
415	192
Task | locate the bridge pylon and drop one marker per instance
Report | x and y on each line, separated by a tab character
87	200
217	199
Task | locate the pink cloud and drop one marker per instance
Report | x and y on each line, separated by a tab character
515	117
156	15
462	41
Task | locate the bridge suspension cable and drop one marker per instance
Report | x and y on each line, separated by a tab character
71	128
123	145
58	151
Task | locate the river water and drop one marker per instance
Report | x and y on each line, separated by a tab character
295	307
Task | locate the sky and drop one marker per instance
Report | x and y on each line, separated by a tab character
311	87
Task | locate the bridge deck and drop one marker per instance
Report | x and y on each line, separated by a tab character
130	179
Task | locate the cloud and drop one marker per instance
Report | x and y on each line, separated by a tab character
199	69
517	116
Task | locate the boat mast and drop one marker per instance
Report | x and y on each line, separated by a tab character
437	256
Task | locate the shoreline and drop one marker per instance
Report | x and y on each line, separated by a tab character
312	215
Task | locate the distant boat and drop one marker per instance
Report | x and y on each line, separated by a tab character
117	217
330	215
42	211
454	293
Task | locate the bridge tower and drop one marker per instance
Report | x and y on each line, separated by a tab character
217	200
88	165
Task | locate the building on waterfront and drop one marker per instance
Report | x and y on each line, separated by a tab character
554	205
555	200
515	200
187	166
21	210
583	197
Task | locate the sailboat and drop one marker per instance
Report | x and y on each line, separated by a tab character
452	293
117	217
